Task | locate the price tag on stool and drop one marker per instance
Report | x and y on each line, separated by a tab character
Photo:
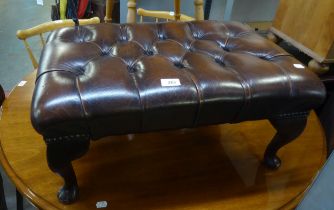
170	82
101	204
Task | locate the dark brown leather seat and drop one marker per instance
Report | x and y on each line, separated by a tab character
111	75
105	79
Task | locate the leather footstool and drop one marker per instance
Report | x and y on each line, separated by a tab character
108	79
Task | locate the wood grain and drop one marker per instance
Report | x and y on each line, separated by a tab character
215	167
309	25
109	8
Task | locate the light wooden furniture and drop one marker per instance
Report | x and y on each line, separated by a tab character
215	167
46	27
176	15
309	26
161	15
109	8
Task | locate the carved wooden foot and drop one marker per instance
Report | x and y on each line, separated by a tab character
287	130
70	191
60	153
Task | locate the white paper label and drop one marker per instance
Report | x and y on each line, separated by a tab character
298	66
101	204
170	82
40	2
22	83
171	13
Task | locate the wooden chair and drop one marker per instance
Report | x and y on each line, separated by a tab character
176	15
39	30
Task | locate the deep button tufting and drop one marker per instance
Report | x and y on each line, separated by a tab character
220	61
129	51
105	52
149	52
107	79
179	65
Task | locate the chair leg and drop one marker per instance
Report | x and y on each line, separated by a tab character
287	131
19	200
2	195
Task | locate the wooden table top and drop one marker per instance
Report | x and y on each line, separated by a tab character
214	167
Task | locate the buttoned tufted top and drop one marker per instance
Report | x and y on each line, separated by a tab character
110	79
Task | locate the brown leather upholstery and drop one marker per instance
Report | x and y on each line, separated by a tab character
105	79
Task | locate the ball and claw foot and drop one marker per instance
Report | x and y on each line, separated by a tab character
272	162
68	195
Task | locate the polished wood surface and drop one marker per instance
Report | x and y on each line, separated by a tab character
177	9
308	25
199	11
109	8
131	16
215	167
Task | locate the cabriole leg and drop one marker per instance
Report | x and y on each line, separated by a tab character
287	130
59	157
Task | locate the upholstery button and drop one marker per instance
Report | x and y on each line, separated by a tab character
131	68
149	52
161	36
179	65
104	53
219	61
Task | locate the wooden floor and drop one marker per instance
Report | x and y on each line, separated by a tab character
216	167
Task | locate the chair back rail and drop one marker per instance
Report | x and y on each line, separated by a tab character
46	27
176	15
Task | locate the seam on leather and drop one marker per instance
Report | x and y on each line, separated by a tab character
225	27
191	26
94	43
199	95
279	55
246	88
244	33
211	33
291	92
89	60
140	101
80	98
124	61
136	61
140	45
52	70
242	82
